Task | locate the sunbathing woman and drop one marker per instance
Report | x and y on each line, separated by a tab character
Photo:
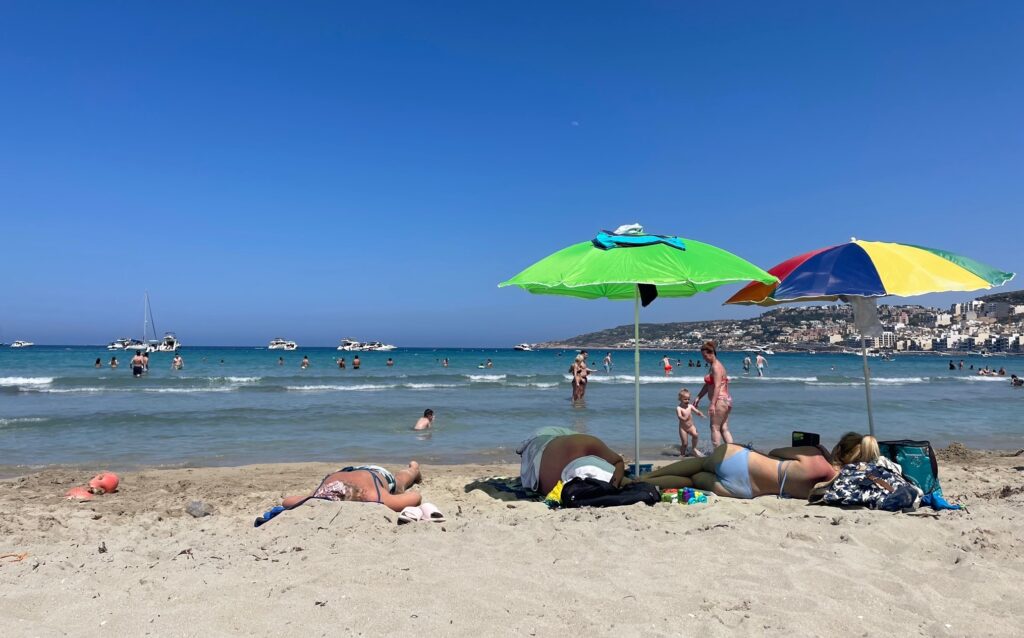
369	483
733	470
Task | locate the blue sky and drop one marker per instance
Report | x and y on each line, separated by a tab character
374	170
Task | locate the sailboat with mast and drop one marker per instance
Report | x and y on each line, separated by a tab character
169	343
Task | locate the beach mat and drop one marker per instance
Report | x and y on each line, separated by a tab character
504	488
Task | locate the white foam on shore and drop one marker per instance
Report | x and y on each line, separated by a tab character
8	381
486	377
897	380
239	379
188	390
535	384
1004	379
628	378
429	386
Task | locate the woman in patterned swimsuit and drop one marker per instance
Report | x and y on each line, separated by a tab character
368	483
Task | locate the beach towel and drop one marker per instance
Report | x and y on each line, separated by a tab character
607	240
504	488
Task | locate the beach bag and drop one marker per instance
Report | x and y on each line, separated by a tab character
591	492
870	485
917	458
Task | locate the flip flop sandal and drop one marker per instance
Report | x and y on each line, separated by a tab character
410	515
431	513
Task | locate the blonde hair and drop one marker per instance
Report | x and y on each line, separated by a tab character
709	346
579	358
684	392
855	448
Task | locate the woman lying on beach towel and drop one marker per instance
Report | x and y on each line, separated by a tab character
733	470
369	483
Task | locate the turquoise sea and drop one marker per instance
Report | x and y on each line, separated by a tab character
233	406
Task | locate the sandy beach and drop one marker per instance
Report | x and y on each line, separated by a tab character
135	563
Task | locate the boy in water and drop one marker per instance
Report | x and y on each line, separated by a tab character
684	412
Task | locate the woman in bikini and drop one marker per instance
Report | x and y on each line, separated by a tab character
716	385
368	483
738	472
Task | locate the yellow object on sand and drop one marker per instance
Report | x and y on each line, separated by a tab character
554	497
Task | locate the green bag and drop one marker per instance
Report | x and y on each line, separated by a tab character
917	458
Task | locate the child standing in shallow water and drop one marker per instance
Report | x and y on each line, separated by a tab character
684	412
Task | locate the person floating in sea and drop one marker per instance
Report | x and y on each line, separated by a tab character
716	386
113	362
99	363
145	361
762	363
444	362
952	366
1016	381
341	363
390	362
425	421
138	364
1002	372
665	363
177	363
489	364
280	361
961	366
687	428
305	362
608	363
746	364
356	362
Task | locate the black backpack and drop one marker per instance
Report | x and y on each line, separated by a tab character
591	492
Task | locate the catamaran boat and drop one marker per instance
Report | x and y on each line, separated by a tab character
524	347
22	344
282	344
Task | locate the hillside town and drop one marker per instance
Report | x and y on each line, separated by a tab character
990	324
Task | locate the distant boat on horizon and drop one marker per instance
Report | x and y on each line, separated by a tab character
22	344
351	345
169	343
523	347
282	344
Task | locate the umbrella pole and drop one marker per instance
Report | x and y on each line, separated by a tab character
867	384
636	378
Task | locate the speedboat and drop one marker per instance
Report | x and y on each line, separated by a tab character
169	343
523	347
119	344
22	344
377	346
282	344
350	345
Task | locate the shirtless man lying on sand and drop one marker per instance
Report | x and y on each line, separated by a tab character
368	483
549	453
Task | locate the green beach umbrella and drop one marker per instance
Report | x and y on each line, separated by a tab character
630	264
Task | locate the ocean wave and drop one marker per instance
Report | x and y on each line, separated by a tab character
22	419
982	378
338	388
429	386
628	378
25	381
189	390
534	384
239	379
897	380
486	378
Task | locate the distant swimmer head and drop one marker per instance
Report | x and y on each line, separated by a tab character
428	413
106	481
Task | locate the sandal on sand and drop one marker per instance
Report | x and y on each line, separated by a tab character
410	515
431	513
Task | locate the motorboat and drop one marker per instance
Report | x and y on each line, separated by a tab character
350	345
22	344
523	347
761	350
282	344
169	343
124	343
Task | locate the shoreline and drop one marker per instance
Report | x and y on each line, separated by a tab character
500	566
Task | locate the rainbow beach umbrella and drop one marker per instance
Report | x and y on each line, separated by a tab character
860	271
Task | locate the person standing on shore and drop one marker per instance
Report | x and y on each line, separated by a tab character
761	364
746	364
687	428
716	386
